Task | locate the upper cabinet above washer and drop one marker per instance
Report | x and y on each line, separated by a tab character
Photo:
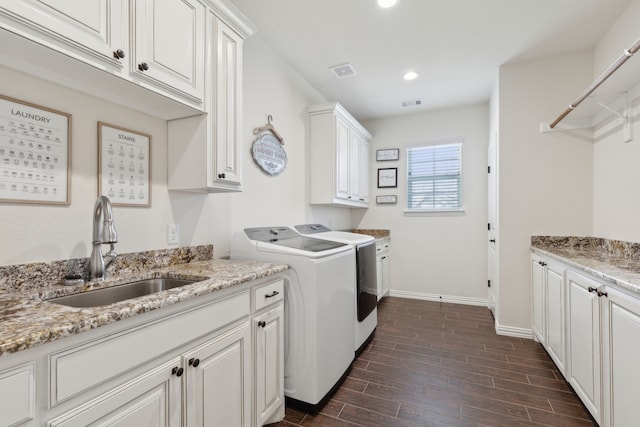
339	157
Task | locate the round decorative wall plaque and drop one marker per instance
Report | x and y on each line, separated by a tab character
269	154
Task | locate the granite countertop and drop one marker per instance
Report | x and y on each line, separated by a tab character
27	320
614	261
377	233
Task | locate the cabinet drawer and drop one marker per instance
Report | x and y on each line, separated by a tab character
17	389
82	367
268	294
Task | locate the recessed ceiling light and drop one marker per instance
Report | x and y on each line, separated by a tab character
410	75
387	3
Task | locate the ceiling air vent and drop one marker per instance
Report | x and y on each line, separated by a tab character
411	103
342	71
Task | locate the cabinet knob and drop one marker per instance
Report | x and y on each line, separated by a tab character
118	54
602	294
177	371
272	294
384	257
362	199
194	362
262	323
222	175
542	263
590	289
492	240
143	66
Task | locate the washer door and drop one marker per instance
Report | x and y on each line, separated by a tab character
367	286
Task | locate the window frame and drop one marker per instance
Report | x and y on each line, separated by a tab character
445	210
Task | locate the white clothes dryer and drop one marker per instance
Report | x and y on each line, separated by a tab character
365	283
317	304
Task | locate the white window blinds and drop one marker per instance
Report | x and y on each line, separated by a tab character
434	177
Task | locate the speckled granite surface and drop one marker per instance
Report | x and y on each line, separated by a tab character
611	260
27	320
377	233
25	277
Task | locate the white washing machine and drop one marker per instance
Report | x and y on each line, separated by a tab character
365	282
317	305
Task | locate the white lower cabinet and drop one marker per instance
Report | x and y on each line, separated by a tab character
596	325
538	297
555	312
382	267
583	335
153	399
621	346
17	388
213	360
268	353
219	380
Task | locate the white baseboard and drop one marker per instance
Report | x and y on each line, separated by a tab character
500	329
440	298
511	331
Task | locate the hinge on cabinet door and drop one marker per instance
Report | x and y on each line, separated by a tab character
488	169
488	283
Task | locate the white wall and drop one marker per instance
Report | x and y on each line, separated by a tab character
44	233
545	179
616	205
272	87
438	254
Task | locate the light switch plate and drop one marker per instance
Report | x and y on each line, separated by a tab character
173	234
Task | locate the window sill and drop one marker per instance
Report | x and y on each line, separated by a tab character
434	212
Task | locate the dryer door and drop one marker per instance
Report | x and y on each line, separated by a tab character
367	286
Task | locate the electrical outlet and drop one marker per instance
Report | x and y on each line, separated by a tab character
173	234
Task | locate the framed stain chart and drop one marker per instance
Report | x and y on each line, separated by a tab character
124	165
35	153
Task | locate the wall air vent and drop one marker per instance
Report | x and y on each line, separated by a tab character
342	71
411	103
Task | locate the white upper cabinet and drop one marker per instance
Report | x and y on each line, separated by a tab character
226	98
205	152
97	28
168	42
339	157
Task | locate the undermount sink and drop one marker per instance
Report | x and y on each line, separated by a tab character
123	292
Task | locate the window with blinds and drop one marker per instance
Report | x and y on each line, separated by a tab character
434	175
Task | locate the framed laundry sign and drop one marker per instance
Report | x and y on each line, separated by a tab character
124	165
35	153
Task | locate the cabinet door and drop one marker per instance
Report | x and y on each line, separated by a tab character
153	399
538	298
621	337
385	274
269	365
363	169
583	326
226	93
95	27
17	388
219	383
168	40
342	152
555	315
379	275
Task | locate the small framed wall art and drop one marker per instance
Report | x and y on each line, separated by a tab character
388	178
124	165
387	200
35	153
387	154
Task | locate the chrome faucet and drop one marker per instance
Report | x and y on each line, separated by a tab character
98	263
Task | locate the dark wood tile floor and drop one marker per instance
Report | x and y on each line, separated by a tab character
438	364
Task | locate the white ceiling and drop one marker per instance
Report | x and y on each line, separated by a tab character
455	45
